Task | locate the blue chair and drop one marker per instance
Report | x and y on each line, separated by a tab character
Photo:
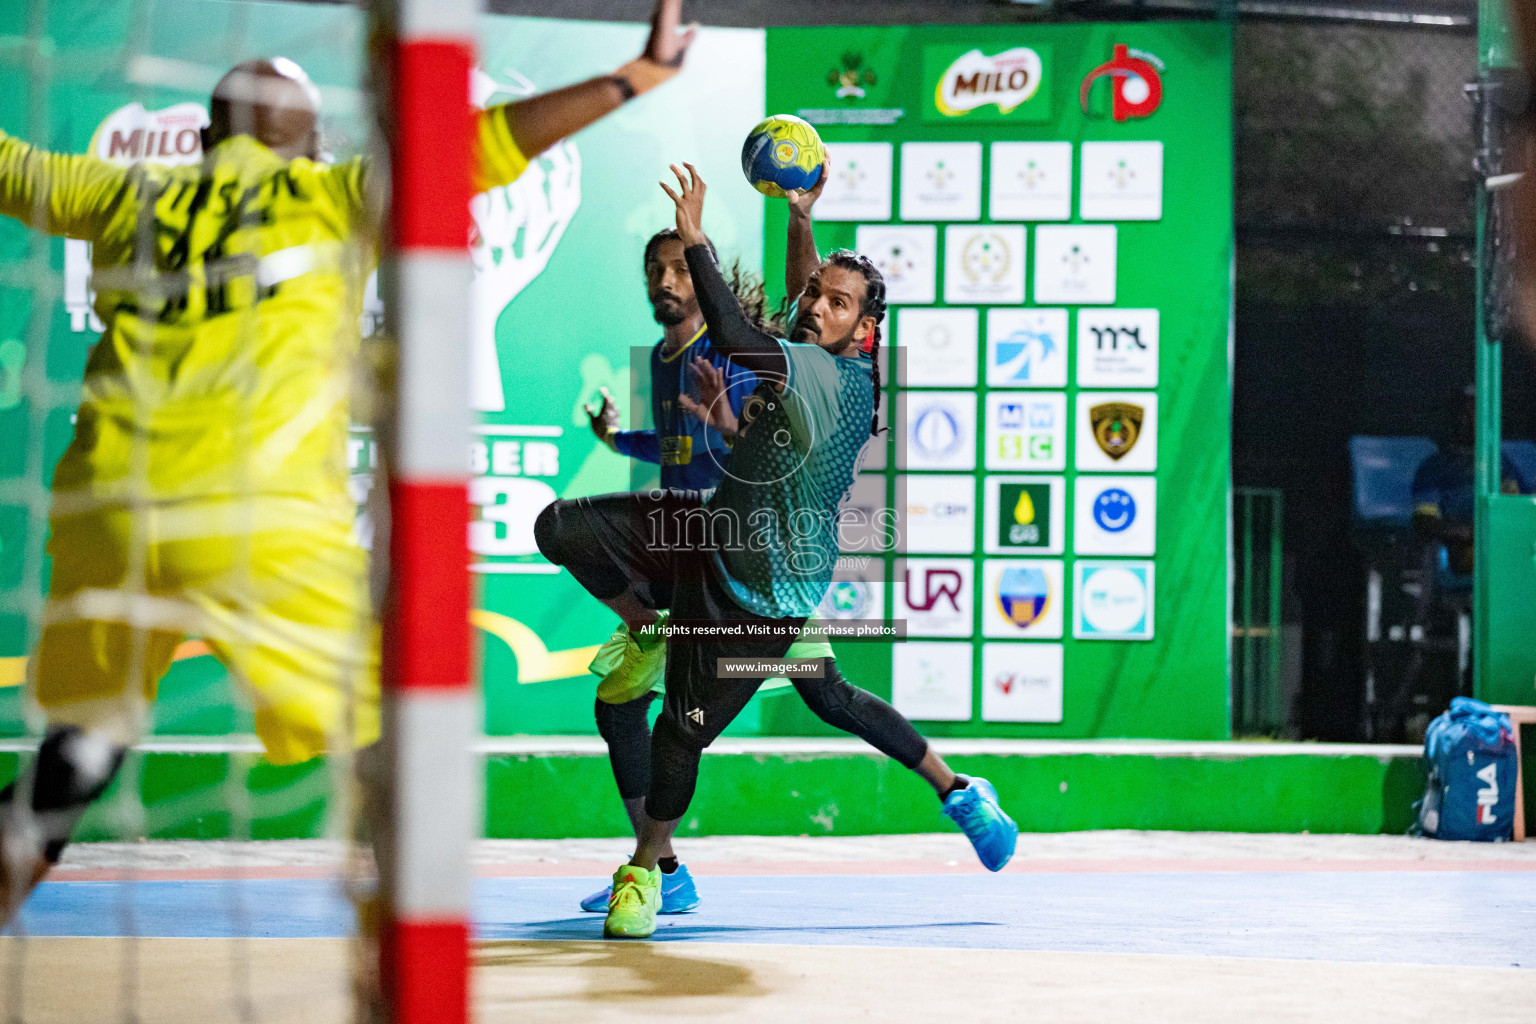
1383	478
1523	455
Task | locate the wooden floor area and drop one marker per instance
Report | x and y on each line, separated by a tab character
303	981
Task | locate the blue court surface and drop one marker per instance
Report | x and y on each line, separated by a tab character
1481	918
1082	928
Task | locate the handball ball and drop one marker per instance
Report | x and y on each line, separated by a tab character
783	153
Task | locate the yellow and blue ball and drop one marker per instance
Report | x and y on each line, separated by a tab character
781	154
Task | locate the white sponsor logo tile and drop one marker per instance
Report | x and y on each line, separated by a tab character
1026	430
1075	264
1115	515
1017	522
1116	431
941	181
1122	181
1117	348
1113	600
984	264
857	591
931	680
1027	348
938	428
938	514
1022	598
1021	682
905	255
1031	181
936	347
934	596
859	185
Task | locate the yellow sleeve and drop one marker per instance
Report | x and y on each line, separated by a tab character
498	161
59	193
354	188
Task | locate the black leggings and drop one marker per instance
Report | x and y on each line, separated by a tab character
855	710
568	541
675	759
626	728
604	543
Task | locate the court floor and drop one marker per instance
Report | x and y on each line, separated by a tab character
1087	927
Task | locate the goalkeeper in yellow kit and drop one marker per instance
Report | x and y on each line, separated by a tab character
204	491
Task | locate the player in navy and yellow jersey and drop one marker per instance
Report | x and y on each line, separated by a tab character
204	490
688	451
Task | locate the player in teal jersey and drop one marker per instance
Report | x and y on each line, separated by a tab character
795	456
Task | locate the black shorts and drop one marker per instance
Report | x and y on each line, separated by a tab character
659	539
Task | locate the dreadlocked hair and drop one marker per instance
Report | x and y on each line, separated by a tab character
751	297
873	305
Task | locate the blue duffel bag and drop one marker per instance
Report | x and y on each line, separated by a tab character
1470	754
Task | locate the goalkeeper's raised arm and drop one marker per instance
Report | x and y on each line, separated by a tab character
538	122
274	102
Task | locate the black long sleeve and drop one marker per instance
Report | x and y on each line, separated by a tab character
730	332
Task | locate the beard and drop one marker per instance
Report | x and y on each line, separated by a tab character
810	334
667	311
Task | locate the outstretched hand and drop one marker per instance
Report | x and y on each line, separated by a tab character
665	46
604	418
801	201
665	50
690	204
712	407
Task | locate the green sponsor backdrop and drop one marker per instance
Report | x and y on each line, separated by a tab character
1174	685
562	310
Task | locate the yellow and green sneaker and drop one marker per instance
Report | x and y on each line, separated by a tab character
637	669
633	905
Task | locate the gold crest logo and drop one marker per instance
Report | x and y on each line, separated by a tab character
851	78
1116	427
985	258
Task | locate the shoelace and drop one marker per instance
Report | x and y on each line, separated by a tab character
626	893
971	814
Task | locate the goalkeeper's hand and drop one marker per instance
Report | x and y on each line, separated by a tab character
664	51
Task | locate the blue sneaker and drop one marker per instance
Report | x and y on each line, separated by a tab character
678	894
992	833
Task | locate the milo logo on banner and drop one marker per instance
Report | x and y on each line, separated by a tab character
1013	85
